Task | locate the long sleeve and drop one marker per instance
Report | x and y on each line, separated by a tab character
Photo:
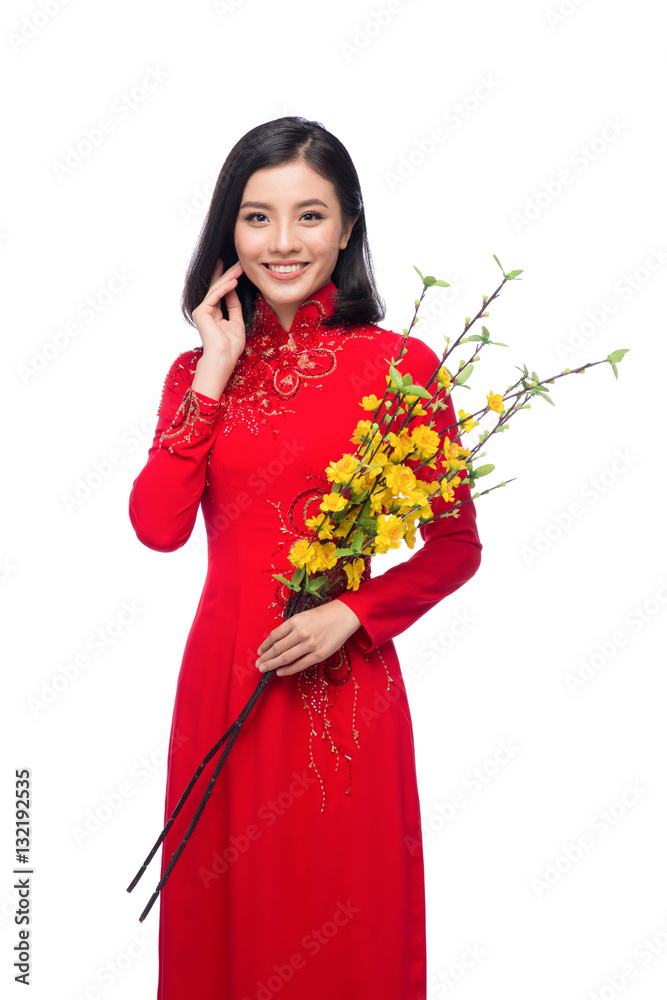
451	554
166	494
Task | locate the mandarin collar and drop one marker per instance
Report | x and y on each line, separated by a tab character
307	318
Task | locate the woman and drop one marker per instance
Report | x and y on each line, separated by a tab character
304	876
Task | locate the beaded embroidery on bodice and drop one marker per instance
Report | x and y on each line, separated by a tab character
275	363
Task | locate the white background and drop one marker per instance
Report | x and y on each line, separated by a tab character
574	568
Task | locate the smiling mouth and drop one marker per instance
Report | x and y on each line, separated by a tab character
287	268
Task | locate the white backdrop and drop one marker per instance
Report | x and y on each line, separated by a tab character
533	130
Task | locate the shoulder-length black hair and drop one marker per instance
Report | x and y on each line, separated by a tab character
272	144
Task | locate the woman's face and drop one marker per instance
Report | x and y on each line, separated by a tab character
288	233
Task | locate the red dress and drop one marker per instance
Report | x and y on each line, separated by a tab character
304	877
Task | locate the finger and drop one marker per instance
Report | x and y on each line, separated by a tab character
281	653
219	289
294	668
234	309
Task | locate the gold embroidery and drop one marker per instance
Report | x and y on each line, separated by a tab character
192	416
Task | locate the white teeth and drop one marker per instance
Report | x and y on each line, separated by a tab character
284	268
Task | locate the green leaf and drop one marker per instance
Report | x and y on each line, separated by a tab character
545	396
285	581
418	272
419	390
475	336
513	274
482	470
485	333
395	376
464	375
429	280
499	264
616	356
442	284
614	368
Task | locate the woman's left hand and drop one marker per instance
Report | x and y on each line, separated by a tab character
306	638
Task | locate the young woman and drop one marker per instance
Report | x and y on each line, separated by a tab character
304	877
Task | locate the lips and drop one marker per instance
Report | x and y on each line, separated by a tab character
286	270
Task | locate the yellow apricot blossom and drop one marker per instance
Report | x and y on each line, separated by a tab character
361	431
400	478
495	402
390	531
353	572
425	440
342	470
370	402
447	491
402	445
324	557
299	554
444	377
333	502
322	524
466	420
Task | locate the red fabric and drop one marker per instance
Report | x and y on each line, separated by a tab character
304	877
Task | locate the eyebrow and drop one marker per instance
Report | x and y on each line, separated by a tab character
300	204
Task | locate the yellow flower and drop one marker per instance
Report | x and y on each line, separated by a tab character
400	478
324	557
401	444
495	402
425	440
390	532
447	491
342	470
468	422
419	410
333	502
300	554
353	572
444	377
370	402
362	430
322	524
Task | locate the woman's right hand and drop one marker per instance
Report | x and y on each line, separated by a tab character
223	339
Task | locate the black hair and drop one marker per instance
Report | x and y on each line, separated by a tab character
285	140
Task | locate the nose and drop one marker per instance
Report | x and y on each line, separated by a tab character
284	238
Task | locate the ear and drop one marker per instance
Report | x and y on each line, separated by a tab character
347	232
